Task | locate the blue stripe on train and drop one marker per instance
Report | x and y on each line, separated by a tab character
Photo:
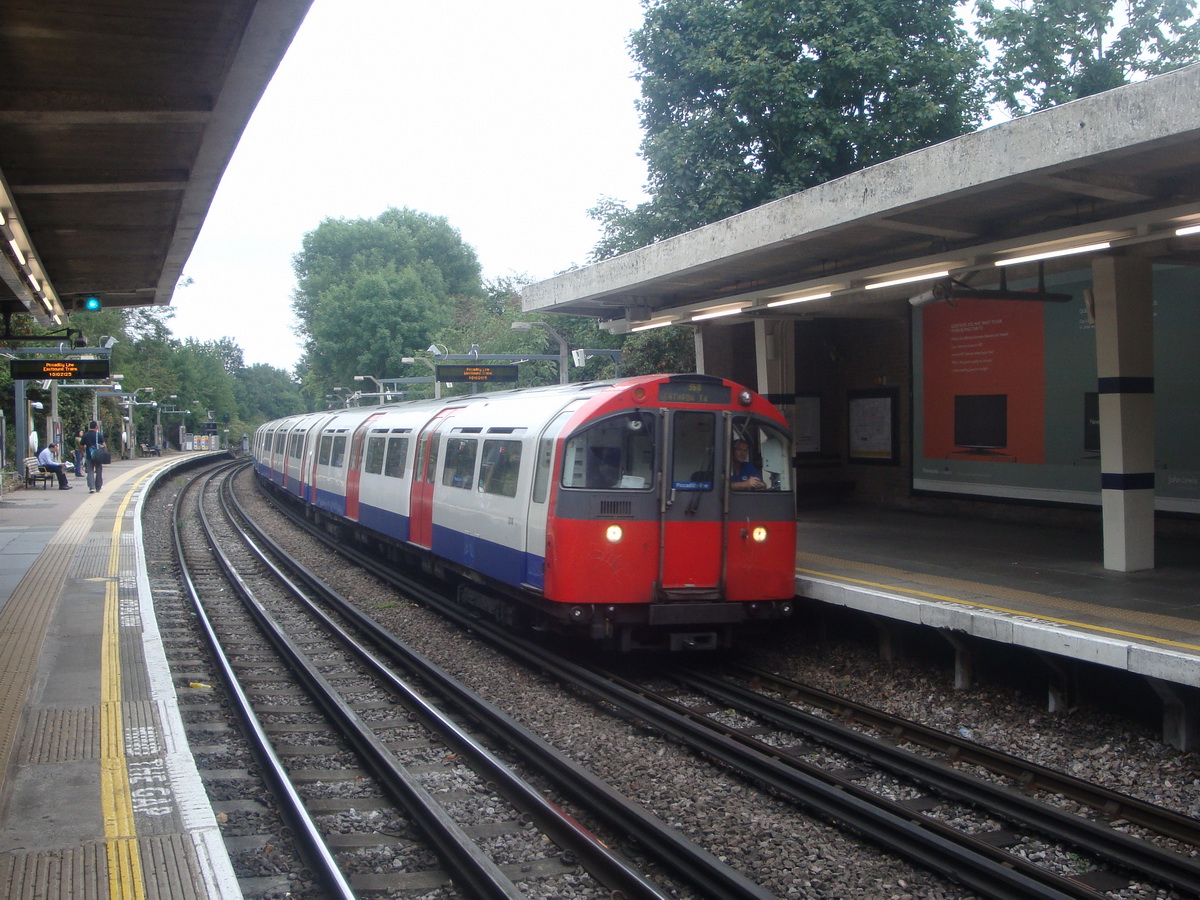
384	521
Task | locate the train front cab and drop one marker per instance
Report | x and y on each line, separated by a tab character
677	563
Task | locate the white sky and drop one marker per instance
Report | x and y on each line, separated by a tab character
508	119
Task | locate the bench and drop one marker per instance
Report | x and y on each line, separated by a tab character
34	472
150	450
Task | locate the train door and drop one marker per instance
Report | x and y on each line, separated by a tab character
691	558
420	521
354	466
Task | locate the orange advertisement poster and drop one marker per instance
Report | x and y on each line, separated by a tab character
984	377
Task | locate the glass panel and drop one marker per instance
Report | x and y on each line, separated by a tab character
375	450
765	461
397	455
614	454
693	439
431	466
326	446
500	467
338	458
460	462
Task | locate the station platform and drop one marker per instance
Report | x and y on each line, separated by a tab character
1039	587
99	795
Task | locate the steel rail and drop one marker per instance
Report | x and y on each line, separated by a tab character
308	838
712	877
1031	776
1100	840
608	867
469	866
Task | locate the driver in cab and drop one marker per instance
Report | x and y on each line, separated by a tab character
744	475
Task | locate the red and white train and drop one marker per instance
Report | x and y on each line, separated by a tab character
604	509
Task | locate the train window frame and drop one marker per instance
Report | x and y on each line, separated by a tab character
337	459
373	458
700	467
326	447
397	456
500	465
770	449
462	453
589	464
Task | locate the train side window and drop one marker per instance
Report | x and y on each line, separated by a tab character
500	467
338	455
326	447
397	455
460	462
616	453
375	450
279	441
295	444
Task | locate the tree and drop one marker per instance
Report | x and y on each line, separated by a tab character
1053	51
746	101
264	393
372	291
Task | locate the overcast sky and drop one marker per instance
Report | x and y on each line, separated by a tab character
508	119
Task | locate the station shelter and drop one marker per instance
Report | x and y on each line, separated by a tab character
1006	320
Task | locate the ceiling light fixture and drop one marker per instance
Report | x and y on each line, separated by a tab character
1186	230
803	298
1054	254
908	279
661	323
699	317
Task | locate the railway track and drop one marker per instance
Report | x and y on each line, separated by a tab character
463	816
984	841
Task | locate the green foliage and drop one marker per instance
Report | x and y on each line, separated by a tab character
746	101
372	291
1053	51
660	350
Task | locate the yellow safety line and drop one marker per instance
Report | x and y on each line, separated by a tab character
1016	612
125	876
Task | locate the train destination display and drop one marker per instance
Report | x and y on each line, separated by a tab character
58	369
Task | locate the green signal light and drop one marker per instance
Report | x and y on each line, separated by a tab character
92	304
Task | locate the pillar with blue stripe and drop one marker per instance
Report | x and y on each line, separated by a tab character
1124	311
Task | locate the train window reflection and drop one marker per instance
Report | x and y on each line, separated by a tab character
614	454
397	455
338	458
326	446
460	462
375	449
500	467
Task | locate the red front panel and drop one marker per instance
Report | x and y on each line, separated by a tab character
583	566
761	571
693	555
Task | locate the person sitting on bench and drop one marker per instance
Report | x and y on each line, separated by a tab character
46	461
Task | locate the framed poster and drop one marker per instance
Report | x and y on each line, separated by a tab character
872	426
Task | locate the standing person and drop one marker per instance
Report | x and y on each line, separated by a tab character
47	461
92	438
79	454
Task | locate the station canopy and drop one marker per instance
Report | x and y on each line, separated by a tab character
117	121
1116	172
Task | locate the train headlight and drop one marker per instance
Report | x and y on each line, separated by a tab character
614	533
745	398
759	534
